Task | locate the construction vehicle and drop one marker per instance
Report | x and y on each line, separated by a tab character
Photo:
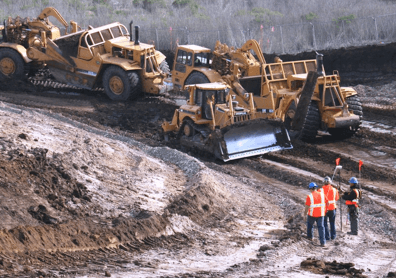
18	34
276	87
212	121
105	56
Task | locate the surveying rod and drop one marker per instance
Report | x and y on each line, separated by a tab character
339	188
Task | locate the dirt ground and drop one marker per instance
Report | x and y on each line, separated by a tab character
88	189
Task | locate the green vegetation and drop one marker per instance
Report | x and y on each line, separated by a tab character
264	15
311	16
346	18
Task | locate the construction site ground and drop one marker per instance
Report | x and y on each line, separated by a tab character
89	189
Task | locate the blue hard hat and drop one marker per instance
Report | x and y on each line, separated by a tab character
353	180
312	185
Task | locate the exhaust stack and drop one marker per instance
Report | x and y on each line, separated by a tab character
130	31
319	63
137	35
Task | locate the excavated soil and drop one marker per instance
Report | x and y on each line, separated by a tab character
90	189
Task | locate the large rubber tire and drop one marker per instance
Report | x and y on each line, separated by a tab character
188	129
355	105
12	66
121	85
311	124
164	67
196	78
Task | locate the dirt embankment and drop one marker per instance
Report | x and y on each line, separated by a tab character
356	65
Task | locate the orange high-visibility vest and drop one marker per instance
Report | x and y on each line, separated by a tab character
331	195
354	202
316	203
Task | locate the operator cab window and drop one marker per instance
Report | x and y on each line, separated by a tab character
198	97
96	38
331	97
206	109
124	30
85	40
220	96
106	34
184	57
116	31
202	60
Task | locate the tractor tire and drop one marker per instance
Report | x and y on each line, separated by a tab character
121	85
164	67
311	124
12	66
355	105
196	78
188	129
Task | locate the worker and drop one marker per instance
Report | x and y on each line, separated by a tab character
315	210
331	196
352	201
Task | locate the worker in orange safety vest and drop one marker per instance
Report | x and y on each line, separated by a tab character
315	211
331	196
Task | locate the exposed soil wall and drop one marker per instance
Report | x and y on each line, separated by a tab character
356	65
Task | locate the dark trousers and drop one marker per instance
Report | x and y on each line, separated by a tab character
310	228
354	218
331	215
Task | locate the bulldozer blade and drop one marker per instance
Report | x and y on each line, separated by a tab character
254	139
304	102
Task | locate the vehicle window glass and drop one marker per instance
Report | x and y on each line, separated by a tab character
106	35
189	59
202	59
142	60
180	55
328	98
124	30
198	97
116	32
96	38
209	95
83	41
220	96
89	40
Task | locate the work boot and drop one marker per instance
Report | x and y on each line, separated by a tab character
322	245
352	233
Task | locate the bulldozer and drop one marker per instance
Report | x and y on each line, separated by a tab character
103	57
212	121
276	87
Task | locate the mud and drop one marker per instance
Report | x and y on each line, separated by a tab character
334	268
89	189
